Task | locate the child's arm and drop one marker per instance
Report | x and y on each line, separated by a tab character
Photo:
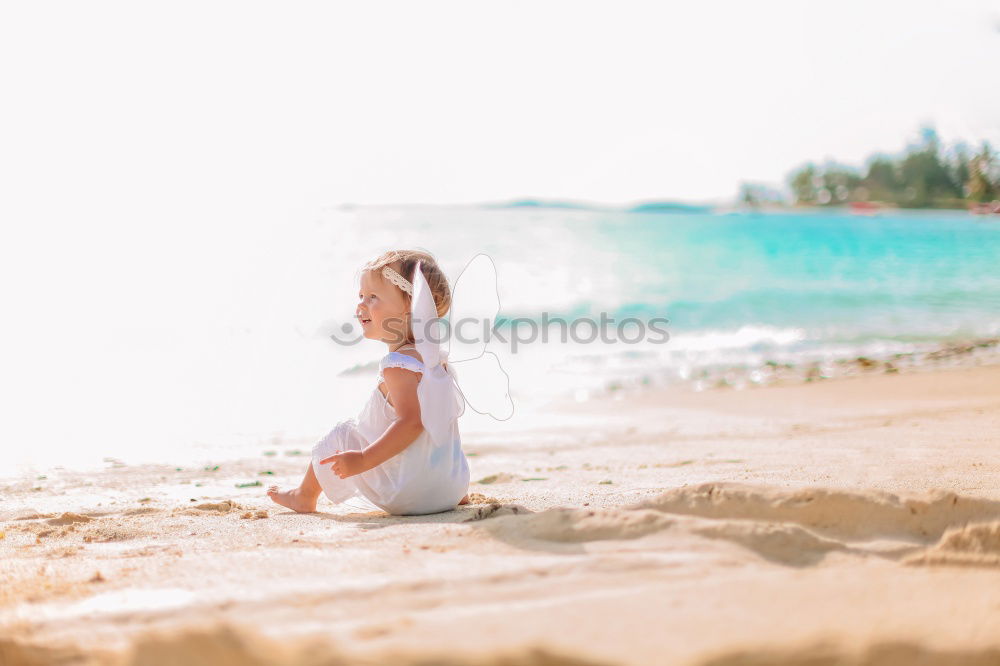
402	387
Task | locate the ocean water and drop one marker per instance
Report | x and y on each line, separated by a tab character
222	347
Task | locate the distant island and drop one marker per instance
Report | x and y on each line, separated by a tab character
644	207
544	203
925	175
669	207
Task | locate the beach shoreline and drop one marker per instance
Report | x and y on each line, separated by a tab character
835	517
924	357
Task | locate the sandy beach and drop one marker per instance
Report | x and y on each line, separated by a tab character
735	267
846	521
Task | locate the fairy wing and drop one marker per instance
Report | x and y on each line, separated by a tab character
440	405
475	303
424	320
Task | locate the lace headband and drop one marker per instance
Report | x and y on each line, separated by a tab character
398	280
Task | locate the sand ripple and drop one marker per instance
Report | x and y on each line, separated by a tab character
226	646
844	514
880	654
791	527
976	545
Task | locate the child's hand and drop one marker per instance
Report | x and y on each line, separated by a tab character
346	463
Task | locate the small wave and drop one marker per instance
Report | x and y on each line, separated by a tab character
742	338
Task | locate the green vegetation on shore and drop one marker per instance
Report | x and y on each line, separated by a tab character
926	175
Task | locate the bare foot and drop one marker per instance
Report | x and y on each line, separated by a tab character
294	499
465	500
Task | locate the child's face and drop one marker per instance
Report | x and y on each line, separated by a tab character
382	309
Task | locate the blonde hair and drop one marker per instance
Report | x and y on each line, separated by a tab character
404	262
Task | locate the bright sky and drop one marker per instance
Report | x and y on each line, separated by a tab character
160	163
386	102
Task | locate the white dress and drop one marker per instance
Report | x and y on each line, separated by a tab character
427	477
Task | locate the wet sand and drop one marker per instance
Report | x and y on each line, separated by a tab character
847	521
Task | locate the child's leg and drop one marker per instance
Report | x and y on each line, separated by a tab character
301	499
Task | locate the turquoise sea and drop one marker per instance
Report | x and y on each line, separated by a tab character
737	288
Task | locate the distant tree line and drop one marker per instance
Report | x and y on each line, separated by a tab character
924	176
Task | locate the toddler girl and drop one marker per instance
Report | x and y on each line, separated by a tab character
403	453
